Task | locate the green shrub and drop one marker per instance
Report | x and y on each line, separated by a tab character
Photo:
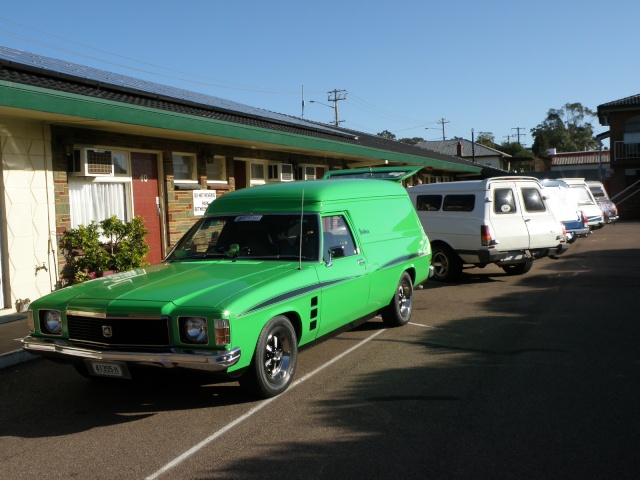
111	245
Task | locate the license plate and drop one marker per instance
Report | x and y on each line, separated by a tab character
109	369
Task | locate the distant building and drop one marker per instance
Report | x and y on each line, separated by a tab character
591	165
473	152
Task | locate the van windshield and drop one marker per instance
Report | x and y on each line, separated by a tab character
258	236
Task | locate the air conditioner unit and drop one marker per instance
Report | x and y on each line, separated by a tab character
286	172
307	172
91	162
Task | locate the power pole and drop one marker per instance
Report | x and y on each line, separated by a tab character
442	121
337	96
517	129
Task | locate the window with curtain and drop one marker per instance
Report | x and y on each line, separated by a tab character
184	167
97	201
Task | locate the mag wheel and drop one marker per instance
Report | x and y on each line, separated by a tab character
274	360
398	312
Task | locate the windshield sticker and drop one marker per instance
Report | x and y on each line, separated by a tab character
248	218
505	208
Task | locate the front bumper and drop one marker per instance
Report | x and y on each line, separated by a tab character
211	361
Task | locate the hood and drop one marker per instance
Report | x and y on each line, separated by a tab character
181	283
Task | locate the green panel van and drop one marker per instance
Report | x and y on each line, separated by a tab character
266	270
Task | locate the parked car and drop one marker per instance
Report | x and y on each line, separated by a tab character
609	209
563	202
586	202
266	270
503	221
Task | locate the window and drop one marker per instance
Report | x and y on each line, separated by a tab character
184	167
503	201
216	169
257	173
429	203
532	200
459	203
337	237
96	201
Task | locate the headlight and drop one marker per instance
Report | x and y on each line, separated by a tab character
51	321
195	329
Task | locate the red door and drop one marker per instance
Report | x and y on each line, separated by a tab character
144	170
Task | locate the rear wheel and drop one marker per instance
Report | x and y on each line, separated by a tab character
447	265
399	310
274	360
518	269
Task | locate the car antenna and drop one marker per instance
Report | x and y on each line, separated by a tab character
300	238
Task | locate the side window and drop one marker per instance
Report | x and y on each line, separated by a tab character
430	203
459	203
532	200
503	201
337	237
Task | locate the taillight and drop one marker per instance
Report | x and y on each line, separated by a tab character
585	220
486	236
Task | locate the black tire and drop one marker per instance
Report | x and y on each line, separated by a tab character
274	360
398	312
447	265
518	269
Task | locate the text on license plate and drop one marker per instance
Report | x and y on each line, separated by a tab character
107	369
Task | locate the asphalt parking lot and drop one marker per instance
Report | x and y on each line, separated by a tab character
528	377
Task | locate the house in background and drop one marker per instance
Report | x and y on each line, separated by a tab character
473	152
623	119
590	165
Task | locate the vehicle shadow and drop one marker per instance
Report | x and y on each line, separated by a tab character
60	402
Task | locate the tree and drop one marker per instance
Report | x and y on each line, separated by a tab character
566	129
387	134
412	141
514	149
487	139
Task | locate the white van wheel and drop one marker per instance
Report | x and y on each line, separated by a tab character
447	265
518	269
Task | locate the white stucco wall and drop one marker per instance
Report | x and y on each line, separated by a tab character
27	211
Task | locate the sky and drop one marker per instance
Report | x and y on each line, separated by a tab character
410	67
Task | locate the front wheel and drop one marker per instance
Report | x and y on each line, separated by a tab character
398	312
274	360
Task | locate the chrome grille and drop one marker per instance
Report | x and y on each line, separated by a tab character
124	331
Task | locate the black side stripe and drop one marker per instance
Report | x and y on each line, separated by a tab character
401	259
292	294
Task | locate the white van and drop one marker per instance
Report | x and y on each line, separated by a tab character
502	220
564	204
586	202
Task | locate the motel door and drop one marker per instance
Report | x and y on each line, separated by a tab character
146	200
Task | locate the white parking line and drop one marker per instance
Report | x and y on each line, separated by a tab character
178	460
420	325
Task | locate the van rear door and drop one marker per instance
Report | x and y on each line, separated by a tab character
505	214
544	229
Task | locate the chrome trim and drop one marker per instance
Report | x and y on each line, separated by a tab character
81	313
215	360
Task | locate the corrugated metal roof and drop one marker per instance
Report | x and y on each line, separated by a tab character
580	158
